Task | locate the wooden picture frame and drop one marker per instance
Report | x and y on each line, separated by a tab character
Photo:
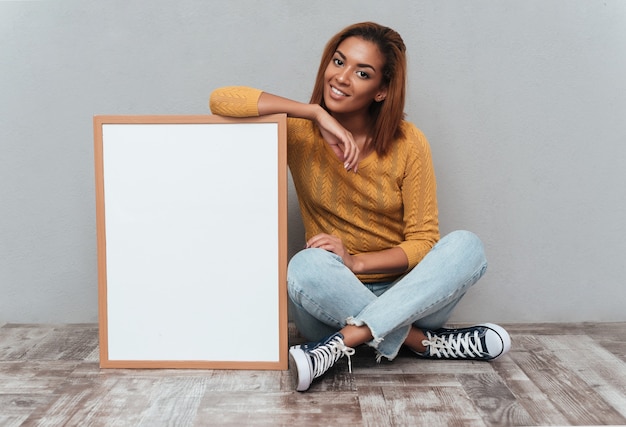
192	241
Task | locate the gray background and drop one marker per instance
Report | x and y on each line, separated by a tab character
523	103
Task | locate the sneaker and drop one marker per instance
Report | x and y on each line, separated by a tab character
312	360
481	342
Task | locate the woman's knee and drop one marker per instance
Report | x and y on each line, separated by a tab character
306	261
465	241
307	265
468	249
464	238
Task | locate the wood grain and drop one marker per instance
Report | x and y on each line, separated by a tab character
555	374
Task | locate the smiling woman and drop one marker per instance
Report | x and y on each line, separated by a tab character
374	270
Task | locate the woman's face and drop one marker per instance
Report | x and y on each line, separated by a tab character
354	77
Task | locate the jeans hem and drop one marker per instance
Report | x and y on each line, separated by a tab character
377	342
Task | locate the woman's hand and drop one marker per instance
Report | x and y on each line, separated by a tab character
332	244
340	140
392	260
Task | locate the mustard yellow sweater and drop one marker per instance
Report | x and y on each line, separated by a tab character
391	200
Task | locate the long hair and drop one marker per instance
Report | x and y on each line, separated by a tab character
386	115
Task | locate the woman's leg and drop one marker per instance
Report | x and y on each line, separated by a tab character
427	294
308	326
323	293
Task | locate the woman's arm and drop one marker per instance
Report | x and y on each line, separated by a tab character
239	101
274	104
419	197
392	260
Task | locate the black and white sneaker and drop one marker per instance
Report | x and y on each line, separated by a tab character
480	342
311	360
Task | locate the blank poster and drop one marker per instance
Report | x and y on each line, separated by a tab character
192	241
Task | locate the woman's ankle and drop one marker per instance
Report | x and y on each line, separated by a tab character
354	336
414	340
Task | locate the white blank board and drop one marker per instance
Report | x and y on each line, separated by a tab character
191	241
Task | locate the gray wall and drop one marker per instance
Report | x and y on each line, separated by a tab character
523	103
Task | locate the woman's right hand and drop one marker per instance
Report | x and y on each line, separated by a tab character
340	140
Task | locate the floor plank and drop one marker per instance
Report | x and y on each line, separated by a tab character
563	386
494	401
282	408
529	395
429	406
602	372
555	374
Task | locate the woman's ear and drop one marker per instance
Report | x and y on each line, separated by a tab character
381	95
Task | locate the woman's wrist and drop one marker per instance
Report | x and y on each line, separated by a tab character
355	264
317	113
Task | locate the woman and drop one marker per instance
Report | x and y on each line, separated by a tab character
374	270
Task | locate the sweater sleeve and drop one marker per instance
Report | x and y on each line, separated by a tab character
235	101
419	193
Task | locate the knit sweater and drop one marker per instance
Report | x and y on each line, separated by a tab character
390	202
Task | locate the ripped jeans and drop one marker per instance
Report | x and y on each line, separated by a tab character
325	295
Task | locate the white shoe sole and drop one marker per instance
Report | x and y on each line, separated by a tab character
300	367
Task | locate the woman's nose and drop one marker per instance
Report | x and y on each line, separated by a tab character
343	76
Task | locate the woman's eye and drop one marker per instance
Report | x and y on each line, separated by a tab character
362	74
338	62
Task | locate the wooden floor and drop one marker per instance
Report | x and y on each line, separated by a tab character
565	374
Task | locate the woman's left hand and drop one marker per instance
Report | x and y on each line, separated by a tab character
332	244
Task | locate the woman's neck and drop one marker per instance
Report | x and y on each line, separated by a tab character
359	126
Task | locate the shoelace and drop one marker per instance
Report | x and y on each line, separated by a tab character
459	345
326	355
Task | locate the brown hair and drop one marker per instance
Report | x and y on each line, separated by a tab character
388	114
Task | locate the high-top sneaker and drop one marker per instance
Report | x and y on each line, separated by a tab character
311	360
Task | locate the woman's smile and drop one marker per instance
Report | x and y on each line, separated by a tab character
337	91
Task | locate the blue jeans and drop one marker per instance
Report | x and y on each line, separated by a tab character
325	295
